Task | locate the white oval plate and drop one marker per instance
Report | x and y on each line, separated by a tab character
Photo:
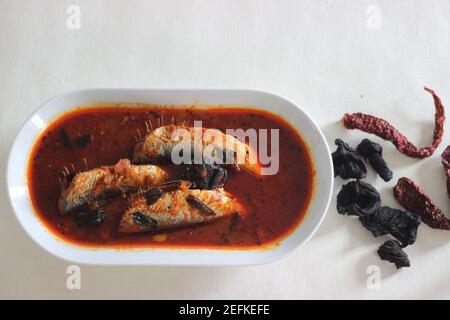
50	110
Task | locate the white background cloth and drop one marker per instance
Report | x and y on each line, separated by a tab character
329	57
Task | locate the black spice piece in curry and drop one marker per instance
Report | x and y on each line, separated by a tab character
202	207
402	225
392	251
373	152
205	176
83	141
347	162
65	139
174	185
89	217
388	132
152	195
144	220
358	198
69	177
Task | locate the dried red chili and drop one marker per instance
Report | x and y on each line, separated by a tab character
445	159
412	198
386	131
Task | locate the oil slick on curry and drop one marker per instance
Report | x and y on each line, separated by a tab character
106	176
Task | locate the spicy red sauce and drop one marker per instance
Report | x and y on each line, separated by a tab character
276	204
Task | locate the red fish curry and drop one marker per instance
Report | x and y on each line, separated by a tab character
102	136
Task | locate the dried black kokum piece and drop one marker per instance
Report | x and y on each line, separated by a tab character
83	141
373	152
358	198
144	220
347	162
89	217
152	195
201	206
402	225
205	175
65	139
392	251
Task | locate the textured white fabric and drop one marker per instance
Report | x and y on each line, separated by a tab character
330	57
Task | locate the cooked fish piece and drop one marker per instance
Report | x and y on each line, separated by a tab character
122	177
177	208
159	143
